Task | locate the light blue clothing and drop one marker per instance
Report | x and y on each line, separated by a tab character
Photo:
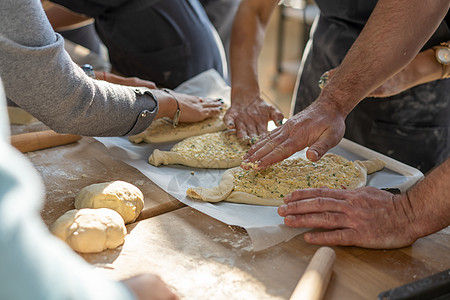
33	263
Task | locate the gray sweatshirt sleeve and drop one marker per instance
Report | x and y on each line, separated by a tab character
40	77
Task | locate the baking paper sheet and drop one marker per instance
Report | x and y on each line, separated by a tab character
264	226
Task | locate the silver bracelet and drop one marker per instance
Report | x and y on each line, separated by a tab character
176	117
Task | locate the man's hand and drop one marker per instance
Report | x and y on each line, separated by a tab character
366	217
149	287
320	126
250	118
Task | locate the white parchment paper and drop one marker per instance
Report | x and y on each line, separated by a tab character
264	226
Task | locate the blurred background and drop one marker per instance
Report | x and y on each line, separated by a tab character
279	61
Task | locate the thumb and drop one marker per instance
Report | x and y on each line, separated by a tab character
228	120
324	143
277	117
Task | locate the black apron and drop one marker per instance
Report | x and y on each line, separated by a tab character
166	41
413	126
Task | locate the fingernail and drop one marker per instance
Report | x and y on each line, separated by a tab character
314	152
282	209
289	218
309	237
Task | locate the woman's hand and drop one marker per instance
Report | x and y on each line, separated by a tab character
149	287
192	108
129	81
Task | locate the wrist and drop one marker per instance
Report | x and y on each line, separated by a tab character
424	68
177	113
407	209
245	92
169	106
337	101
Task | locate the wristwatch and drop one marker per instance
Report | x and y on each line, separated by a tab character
442	54
88	70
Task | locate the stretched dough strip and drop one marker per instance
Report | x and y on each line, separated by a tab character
159	157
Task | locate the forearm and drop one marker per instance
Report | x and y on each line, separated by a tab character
246	42
429	201
393	35
63	19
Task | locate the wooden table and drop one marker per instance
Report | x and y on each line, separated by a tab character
202	258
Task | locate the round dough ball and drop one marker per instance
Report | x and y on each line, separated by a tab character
121	196
90	230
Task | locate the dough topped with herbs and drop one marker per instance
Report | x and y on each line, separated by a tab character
212	150
269	186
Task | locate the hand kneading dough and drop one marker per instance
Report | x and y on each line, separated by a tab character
121	196
90	230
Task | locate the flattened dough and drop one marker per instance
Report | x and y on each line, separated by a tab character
162	130
121	196
90	230
219	150
268	187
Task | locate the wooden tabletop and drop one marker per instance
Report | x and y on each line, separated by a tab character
202	258
65	170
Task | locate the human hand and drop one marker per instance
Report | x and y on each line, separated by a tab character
192	108
250	118
320	126
149	287
365	217
128	81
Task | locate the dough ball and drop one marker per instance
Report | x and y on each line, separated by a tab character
120	196
90	230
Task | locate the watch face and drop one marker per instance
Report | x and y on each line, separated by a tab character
443	55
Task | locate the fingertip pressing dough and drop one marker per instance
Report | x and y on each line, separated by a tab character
120	196
90	230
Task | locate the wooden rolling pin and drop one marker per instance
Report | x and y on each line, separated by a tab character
33	141
314	282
